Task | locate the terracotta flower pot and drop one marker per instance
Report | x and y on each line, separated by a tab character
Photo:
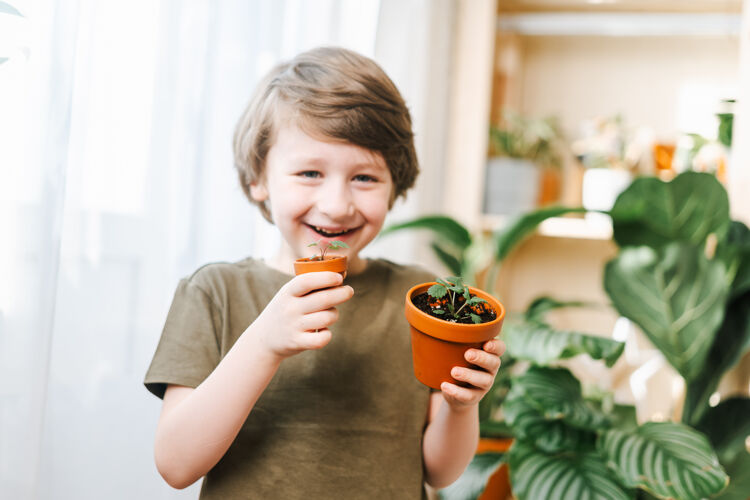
438	345
498	485
335	263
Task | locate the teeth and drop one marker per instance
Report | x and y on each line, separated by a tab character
328	233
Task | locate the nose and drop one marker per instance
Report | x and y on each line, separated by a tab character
335	200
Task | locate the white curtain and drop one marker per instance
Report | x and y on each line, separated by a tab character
116	179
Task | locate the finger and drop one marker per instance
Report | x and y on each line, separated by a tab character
305	283
313	340
319	320
462	395
483	359
479	379
495	346
321	300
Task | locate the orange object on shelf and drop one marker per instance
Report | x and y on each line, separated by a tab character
663	155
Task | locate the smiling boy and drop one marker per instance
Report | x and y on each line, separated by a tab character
277	386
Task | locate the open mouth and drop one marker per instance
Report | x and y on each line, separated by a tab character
331	234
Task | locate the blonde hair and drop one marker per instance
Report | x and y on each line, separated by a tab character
331	92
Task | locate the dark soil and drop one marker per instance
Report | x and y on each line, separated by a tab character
426	304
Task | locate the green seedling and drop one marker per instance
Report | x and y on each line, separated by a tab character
325	246
447	293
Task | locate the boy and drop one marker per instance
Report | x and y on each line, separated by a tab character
287	387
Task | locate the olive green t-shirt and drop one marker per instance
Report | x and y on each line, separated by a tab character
345	421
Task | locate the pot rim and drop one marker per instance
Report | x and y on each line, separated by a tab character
328	258
470	329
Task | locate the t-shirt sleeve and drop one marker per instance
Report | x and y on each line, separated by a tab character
188	350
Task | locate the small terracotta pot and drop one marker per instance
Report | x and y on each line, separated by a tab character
335	263
437	345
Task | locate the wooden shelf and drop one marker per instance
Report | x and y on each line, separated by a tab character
718	6
620	24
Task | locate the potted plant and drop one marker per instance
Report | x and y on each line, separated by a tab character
682	252
526	155
322	261
610	157
448	317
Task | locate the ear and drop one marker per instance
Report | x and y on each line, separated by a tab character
258	191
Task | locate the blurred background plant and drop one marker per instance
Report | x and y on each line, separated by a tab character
524	169
682	275
538	140
607	142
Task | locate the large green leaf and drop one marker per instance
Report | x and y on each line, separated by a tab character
542	345
537	475
540	306
450	261
545	406
729	345
472	482
675	295
654	213
727	427
445	228
734	251
667	459
739	478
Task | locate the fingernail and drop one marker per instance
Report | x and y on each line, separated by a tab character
456	372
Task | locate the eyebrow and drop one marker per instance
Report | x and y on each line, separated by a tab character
320	162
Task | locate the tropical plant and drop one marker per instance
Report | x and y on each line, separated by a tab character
683	275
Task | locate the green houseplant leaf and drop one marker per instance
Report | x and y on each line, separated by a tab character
667	459
729	345
472	482
545	406
542	345
446	228
727	426
654	213
734	251
540	306
739	484
538	475
675	295
448	259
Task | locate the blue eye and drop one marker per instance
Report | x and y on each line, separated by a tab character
310	174
365	178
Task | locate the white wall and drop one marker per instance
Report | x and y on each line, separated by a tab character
671	84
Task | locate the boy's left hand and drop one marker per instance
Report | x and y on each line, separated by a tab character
480	380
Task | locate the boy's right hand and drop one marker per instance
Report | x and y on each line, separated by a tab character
288	324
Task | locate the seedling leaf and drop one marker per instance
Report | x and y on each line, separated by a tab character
475	318
437	291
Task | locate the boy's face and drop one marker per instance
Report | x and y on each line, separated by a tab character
323	190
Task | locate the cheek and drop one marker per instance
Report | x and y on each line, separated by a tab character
375	207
